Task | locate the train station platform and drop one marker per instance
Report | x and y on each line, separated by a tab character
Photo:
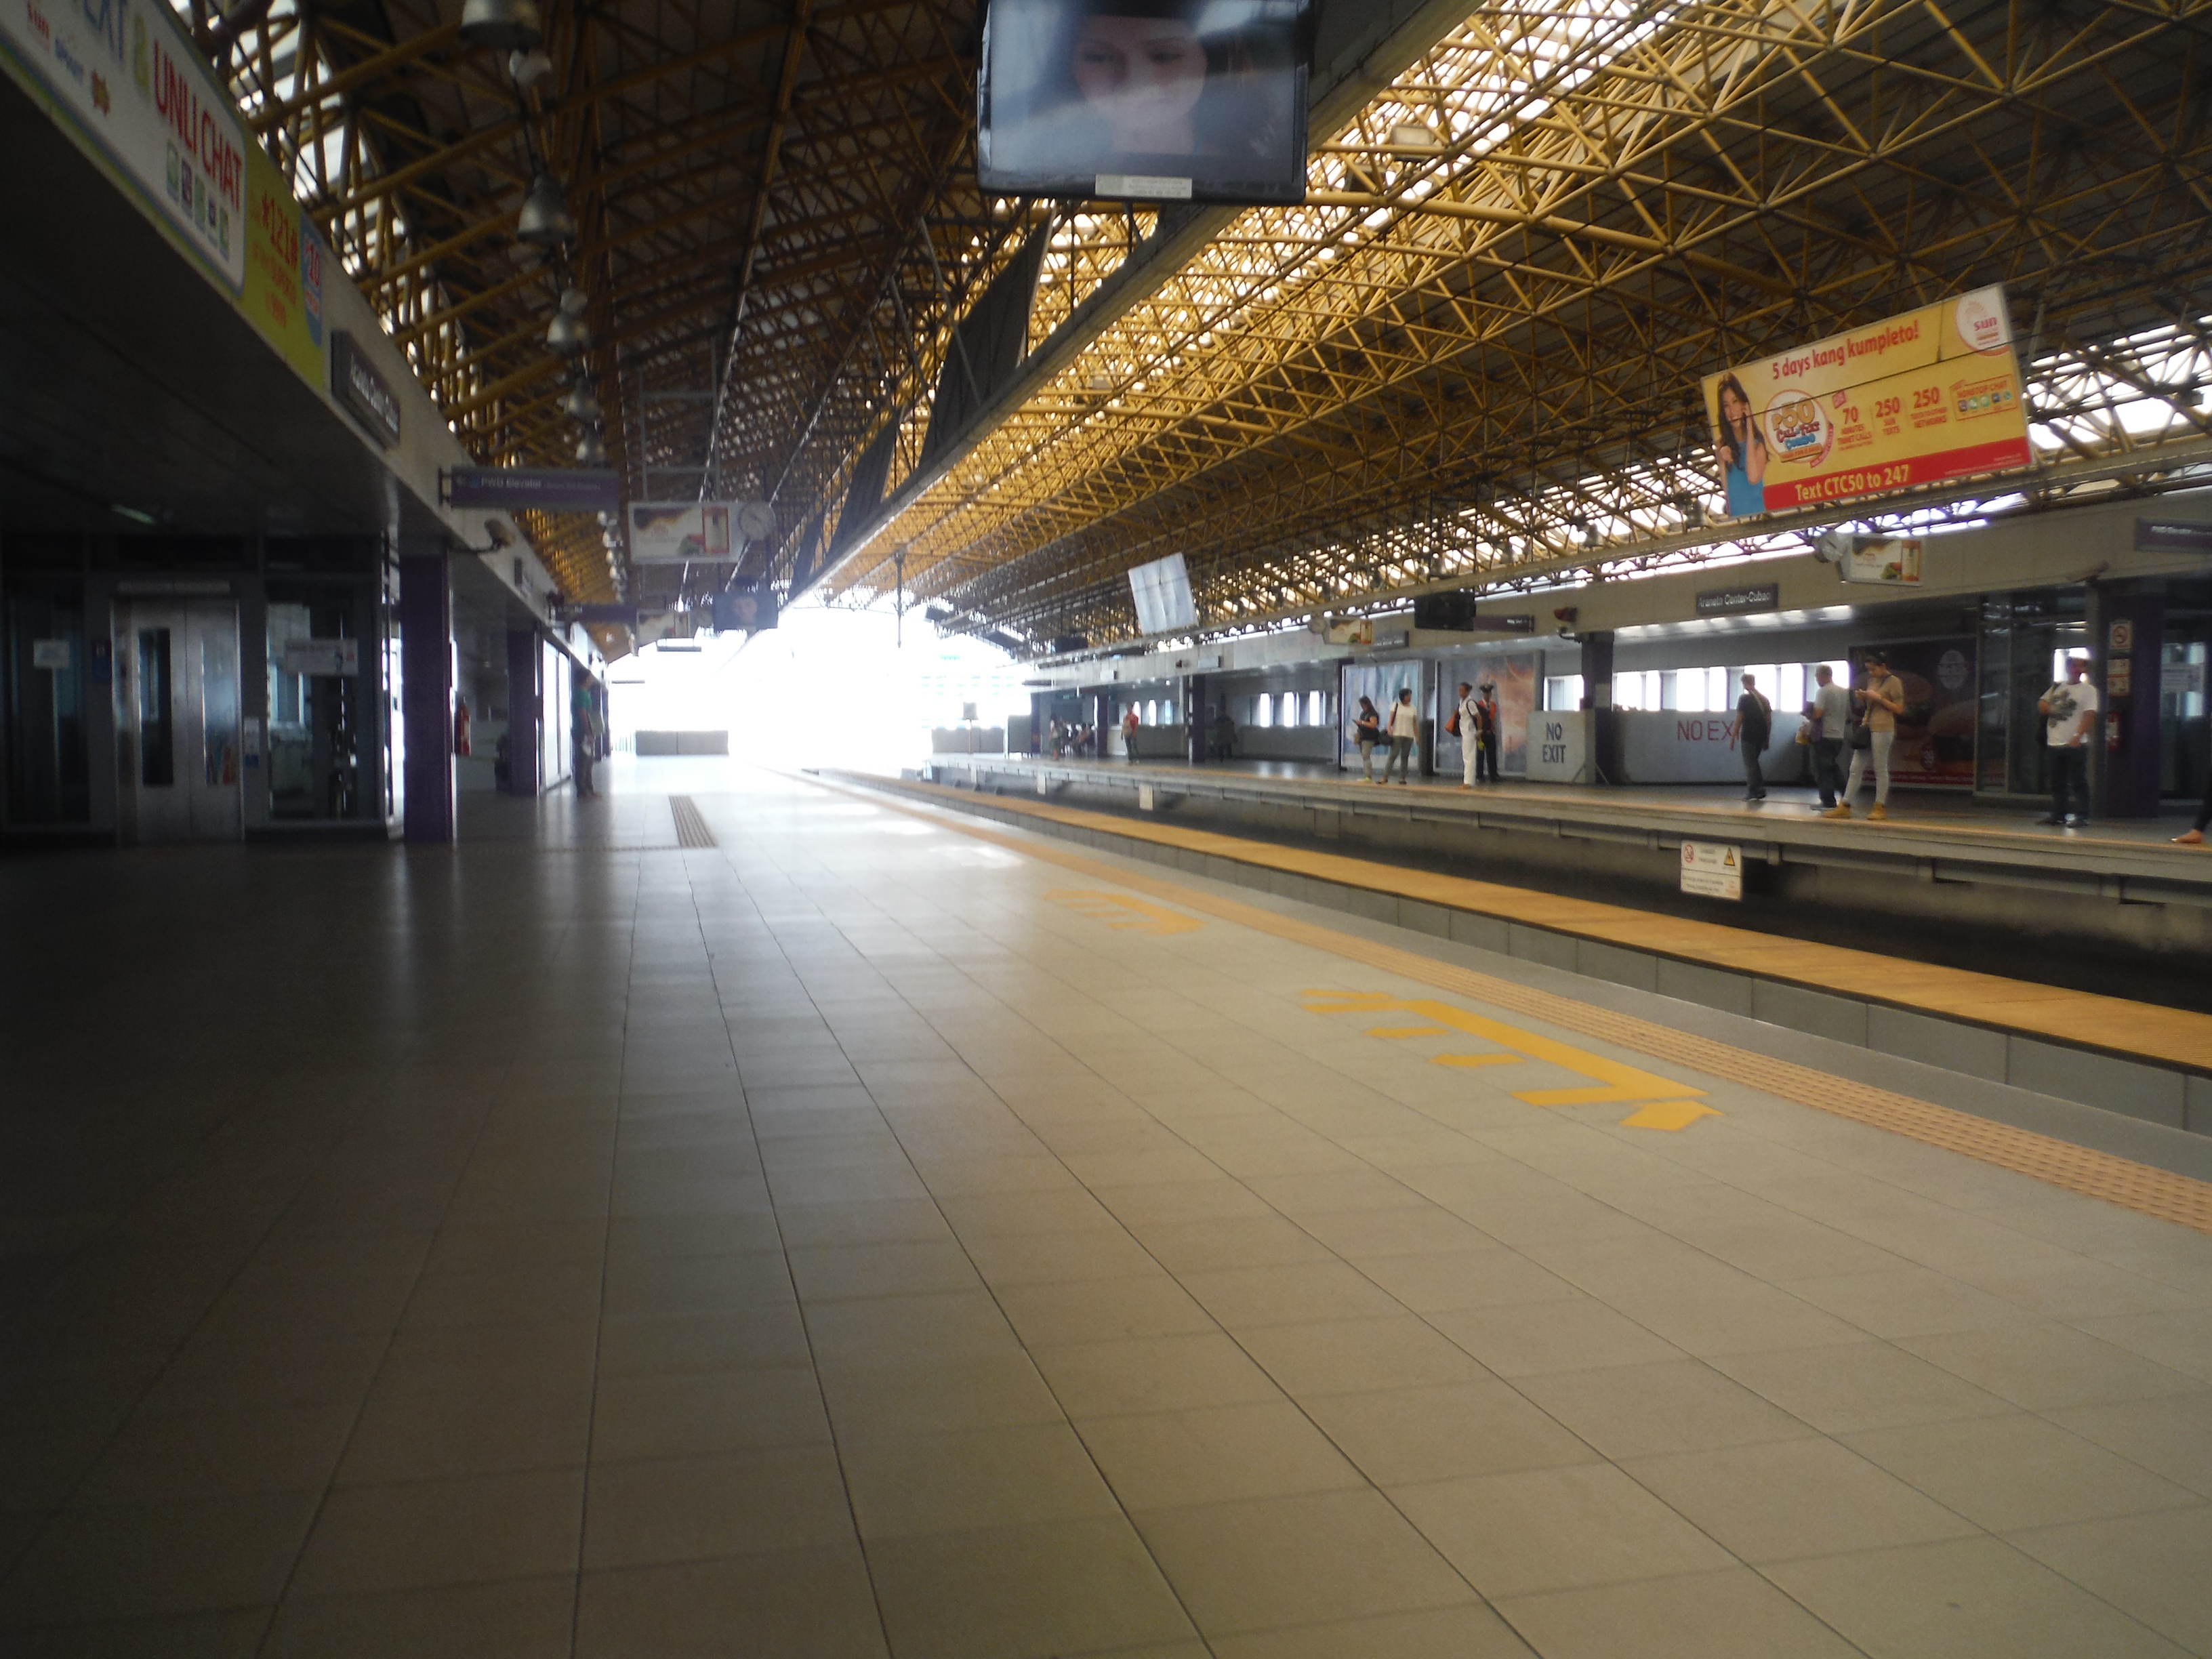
764	1215
2114	903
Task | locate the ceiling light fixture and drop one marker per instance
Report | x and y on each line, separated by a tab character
500	25
544	219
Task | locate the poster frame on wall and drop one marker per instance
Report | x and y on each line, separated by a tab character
1911	763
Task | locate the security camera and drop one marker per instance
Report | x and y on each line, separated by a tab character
498	532
1832	547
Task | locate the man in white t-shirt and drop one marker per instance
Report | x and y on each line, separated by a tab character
2069	720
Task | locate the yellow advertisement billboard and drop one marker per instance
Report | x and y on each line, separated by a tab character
284	264
1930	395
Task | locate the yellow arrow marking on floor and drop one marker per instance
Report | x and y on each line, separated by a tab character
1616	1082
1124	914
1668	1115
1405	1030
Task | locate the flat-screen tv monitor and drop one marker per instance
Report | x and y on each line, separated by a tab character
1201	101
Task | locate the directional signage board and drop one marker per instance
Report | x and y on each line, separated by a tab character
1712	869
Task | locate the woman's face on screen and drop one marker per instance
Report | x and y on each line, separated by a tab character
1144	76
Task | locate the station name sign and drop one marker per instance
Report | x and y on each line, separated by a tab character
2174	536
1919	398
1739	601
362	390
538	488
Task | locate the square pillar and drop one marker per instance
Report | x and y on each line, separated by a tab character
425	693
1102	721
1597	697
1195	716
2127	631
523	704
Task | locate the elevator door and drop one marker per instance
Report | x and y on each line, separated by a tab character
180	674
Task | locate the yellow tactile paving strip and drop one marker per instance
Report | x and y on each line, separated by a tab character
2060	1163
2172	1036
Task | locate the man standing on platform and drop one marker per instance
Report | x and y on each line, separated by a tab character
1465	719
1754	725
1829	711
1486	733
1129	725
2069	715
1405	731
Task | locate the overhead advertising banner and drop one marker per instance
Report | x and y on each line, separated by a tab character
124	75
284	264
1162	592
1918	398
681	532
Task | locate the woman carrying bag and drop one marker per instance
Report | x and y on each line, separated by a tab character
1367	732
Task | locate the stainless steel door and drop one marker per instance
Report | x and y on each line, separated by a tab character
179	696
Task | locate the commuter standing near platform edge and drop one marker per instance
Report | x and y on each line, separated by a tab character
1367	732
1405	730
1882	698
1754	725
1830	712
2069	715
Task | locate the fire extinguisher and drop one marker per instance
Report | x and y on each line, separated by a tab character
461	727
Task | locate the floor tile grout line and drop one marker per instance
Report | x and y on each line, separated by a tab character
1035	1370
798	1303
606	1255
1813	1431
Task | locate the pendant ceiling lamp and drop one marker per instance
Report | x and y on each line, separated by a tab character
544	218
581	404
590	451
529	69
500	25
568	334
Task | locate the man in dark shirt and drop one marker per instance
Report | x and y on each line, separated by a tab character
1754	725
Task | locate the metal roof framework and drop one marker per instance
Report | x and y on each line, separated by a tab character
1472	358
777	223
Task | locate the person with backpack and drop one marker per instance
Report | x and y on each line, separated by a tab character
1367	732
1754	726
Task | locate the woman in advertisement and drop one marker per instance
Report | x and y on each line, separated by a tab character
1139	85
1742	451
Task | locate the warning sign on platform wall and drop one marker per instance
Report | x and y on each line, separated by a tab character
1712	869
1931	395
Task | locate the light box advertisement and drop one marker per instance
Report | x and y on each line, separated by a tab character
680	532
123	74
1146	99
1931	395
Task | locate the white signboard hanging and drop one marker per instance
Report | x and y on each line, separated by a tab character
682	532
1883	561
124	75
1712	869
322	659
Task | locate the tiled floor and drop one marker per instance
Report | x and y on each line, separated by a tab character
832	1243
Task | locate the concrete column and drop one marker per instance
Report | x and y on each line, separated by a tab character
523	703
2127	632
426	667
1597	697
1102	720
1040	720
1195	716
